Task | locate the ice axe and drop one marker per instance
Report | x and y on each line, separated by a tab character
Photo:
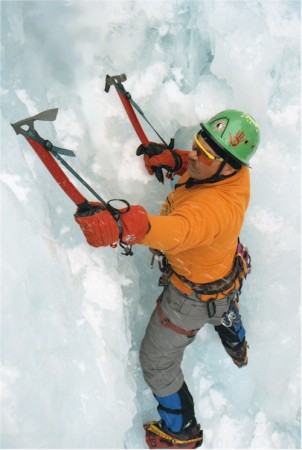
46	151
129	105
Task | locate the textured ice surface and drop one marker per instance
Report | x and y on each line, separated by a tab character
73	316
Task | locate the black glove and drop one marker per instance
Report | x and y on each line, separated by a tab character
158	157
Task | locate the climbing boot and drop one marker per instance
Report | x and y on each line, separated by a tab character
241	358
158	436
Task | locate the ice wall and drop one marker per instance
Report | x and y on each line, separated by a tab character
73	316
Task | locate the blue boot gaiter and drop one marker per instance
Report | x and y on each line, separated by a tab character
177	409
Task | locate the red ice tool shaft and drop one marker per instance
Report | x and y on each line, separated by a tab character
133	119
57	173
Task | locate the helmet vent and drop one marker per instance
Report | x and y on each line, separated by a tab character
220	125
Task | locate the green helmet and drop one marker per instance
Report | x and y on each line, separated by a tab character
236	133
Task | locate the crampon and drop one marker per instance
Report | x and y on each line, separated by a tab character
158	437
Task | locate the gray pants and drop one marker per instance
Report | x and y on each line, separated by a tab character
162	349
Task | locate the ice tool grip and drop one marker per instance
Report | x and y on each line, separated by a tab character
154	149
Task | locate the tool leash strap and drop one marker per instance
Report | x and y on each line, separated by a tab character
78	177
121	90
129	105
55	152
57	173
48	145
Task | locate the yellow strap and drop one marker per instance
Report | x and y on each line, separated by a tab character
153	427
245	270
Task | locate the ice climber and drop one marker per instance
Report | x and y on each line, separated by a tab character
204	263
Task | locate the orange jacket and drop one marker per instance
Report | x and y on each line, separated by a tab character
198	227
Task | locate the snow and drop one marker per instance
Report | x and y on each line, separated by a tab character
72	316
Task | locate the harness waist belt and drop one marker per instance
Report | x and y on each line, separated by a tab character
219	288
215	287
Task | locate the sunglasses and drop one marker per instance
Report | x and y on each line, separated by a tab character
205	152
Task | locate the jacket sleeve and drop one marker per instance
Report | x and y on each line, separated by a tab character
190	226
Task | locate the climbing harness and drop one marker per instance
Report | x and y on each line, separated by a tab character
166	322
228	286
241	268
